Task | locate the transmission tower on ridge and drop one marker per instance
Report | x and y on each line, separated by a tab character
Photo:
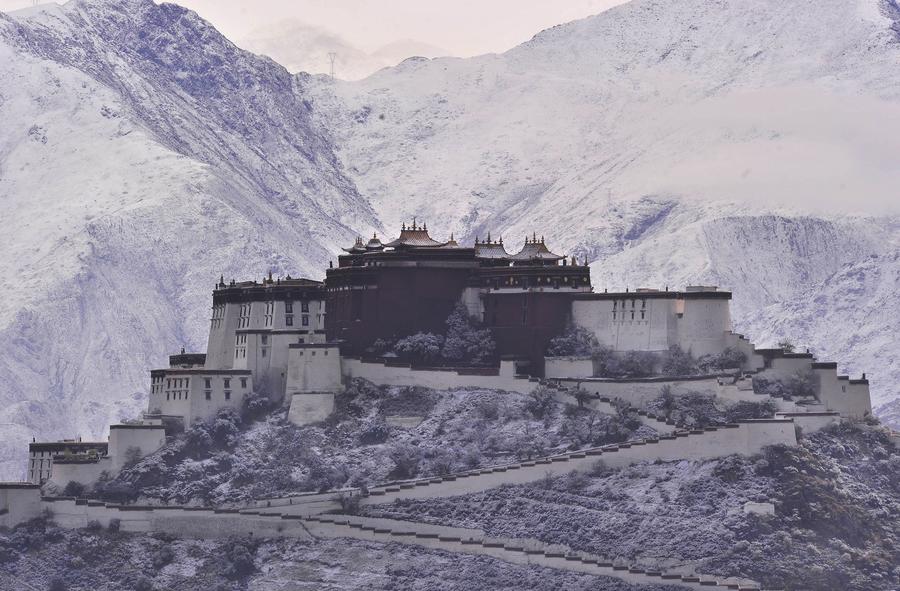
331	57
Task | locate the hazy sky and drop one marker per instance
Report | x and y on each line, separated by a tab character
462	27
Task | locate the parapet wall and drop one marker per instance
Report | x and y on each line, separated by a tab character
82	472
639	391
437	378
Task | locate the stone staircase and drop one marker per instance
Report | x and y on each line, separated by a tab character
195	522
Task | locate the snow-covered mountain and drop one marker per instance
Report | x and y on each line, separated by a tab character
748	145
301	47
142	154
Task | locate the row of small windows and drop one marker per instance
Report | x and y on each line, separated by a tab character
206	393
624	304
247	309
624	313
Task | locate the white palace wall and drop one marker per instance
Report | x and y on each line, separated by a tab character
144	438
638	321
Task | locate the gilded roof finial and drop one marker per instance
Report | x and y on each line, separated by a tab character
489	236
501	238
425	225
403	226
414	223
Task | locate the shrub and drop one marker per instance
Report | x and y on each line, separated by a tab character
539	402
679	363
406	459
730	358
380	347
349	504
575	341
465	341
143	584
239	561
115	524
57	584
422	347
488	409
374	433
73	489
255	406
750	410
801	384
93	526
165	555
636	364
582	396
605	362
786	345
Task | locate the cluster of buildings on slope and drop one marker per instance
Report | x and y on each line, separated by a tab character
297	340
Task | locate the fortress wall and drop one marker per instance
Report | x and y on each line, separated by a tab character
703	326
86	473
754	361
640	391
783	368
19	502
810	422
650	333
146	438
568	367
432	378
220	345
313	368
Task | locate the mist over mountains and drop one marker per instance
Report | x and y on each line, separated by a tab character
142	154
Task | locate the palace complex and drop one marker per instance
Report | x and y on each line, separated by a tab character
297	341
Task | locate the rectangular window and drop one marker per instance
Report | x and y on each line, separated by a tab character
289	321
227	395
227	382
207	382
289	307
304	307
265	339
243	382
263	352
305	320
208	395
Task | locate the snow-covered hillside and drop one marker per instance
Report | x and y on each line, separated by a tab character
142	154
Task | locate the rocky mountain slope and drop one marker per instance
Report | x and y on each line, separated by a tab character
142	154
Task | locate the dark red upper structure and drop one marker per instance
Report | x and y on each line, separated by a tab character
411	284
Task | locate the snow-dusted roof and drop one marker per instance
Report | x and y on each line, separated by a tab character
490	249
357	247
416	236
535	250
